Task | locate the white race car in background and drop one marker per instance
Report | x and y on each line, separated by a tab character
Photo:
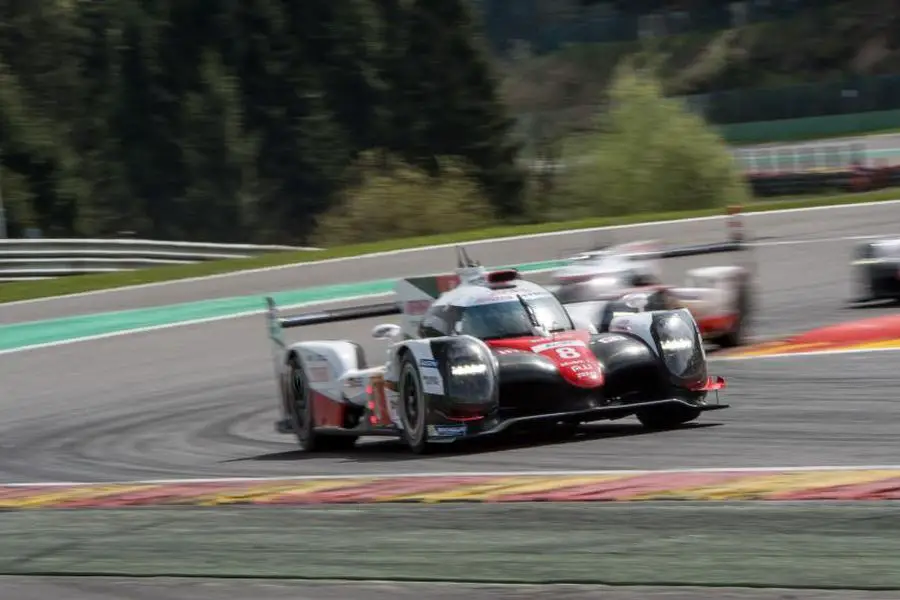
876	267
601	284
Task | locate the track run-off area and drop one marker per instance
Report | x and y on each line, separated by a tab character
198	401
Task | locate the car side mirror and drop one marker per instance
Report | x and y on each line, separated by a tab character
385	331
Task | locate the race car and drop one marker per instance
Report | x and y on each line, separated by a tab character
599	284
877	270
481	352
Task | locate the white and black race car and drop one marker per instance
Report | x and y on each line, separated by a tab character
876	267
601	284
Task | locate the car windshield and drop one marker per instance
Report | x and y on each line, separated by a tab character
497	320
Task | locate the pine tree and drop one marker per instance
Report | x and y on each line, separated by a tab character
301	151
451	101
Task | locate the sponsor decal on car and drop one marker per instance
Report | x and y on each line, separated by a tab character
432	382
447	431
560	344
579	366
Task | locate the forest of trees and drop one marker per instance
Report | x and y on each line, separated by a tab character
235	120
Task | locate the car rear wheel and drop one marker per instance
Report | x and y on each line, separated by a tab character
735	337
667	417
301	409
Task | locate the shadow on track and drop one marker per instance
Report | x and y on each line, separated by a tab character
393	450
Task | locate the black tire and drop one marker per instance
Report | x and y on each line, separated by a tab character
735	337
667	417
568	428
303	417
413	406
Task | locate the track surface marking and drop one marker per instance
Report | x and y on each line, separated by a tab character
42	588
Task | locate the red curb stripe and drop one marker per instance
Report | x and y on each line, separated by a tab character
484	488
156	495
98	500
886	489
625	488
875	329
376	491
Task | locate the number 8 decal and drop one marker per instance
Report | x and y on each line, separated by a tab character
567	353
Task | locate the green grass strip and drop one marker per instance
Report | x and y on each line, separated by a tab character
764	544
27	290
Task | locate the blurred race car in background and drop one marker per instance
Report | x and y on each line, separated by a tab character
600	284
876	267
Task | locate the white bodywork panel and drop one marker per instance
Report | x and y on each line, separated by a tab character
882	250
613	262
583	313
332	369
477	295
710	291
887	248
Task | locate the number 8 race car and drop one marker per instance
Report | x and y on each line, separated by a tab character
482	352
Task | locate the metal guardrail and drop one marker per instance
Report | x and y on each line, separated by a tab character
23	259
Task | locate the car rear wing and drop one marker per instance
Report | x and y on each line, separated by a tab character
734	242
736	239
277	323
414	295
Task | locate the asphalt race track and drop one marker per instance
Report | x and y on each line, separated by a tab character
199	401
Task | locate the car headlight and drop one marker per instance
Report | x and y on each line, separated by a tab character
470	373
678	343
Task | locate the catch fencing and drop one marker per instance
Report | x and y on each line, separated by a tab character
820	167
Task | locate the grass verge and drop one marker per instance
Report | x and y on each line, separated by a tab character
27	290
764	544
